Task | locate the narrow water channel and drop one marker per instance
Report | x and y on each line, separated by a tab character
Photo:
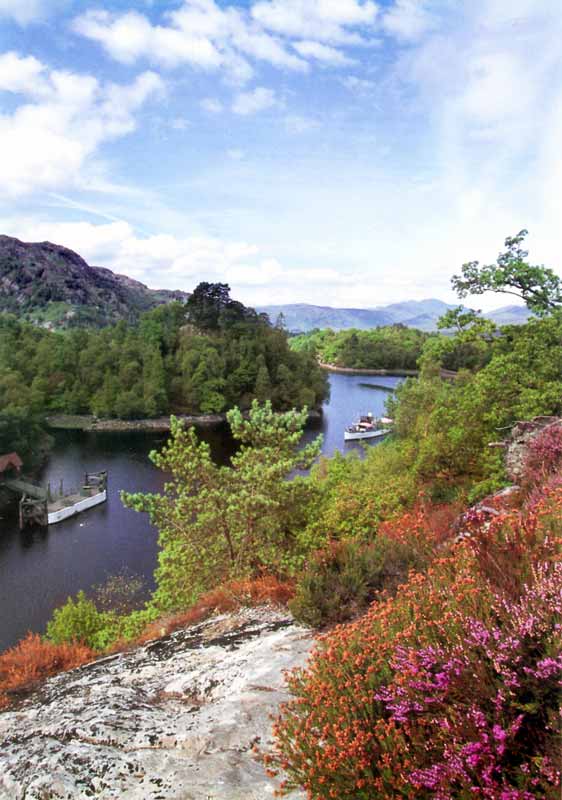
40	568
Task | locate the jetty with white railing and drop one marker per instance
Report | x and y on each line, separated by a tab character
40	506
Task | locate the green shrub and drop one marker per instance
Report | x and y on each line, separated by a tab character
79	621
132	625
357	495
342	580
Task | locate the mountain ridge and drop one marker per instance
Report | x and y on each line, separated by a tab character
422	314
54	286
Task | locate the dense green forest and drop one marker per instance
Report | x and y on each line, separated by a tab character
390	347
204	356
396	347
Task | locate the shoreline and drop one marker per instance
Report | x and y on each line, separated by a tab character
90	424
396	373
390	373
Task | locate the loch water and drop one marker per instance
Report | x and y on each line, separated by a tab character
41	567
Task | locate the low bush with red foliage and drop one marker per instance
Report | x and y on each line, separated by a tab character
425	526
33	659
232	596
450	689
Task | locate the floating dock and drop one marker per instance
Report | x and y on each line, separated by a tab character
69	506
39	507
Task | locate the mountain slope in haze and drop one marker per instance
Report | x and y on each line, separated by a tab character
421	314
410	310
509	315
304	317
301	317
54	286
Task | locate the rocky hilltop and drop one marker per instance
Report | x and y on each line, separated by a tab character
54	286
176	718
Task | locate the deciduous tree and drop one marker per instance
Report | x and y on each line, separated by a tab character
539	287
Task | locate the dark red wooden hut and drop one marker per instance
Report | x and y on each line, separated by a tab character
9	462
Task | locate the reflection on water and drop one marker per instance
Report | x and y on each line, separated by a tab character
41	567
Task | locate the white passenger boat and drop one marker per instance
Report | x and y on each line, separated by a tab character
368	427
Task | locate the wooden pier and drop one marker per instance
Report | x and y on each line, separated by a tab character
39	506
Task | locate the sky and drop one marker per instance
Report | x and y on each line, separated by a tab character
334	152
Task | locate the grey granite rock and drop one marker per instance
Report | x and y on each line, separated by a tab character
175	719
519	440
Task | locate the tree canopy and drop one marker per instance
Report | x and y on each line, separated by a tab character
390	347
222	522
203	357
539	287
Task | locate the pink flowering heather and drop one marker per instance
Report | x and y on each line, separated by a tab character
484	701
544	455
451	689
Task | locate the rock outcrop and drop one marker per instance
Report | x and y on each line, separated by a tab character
518	442
56	287
176	718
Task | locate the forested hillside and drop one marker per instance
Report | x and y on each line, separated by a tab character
204	356
393	347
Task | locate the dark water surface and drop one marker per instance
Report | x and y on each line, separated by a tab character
40	568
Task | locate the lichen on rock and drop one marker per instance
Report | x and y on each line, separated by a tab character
517	445
177	718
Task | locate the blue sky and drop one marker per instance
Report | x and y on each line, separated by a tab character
341	152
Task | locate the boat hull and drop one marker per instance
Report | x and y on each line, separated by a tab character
71	511
350	436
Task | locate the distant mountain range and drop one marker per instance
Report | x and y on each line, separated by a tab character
55	287
422	314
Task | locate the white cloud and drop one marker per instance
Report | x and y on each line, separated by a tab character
359	86
323	52
20	74
259	99
164	261
130	36
25	11
209	36
486	84
334	21
409	19
212	105
53	135
298	124
199	34
460	150
170	262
